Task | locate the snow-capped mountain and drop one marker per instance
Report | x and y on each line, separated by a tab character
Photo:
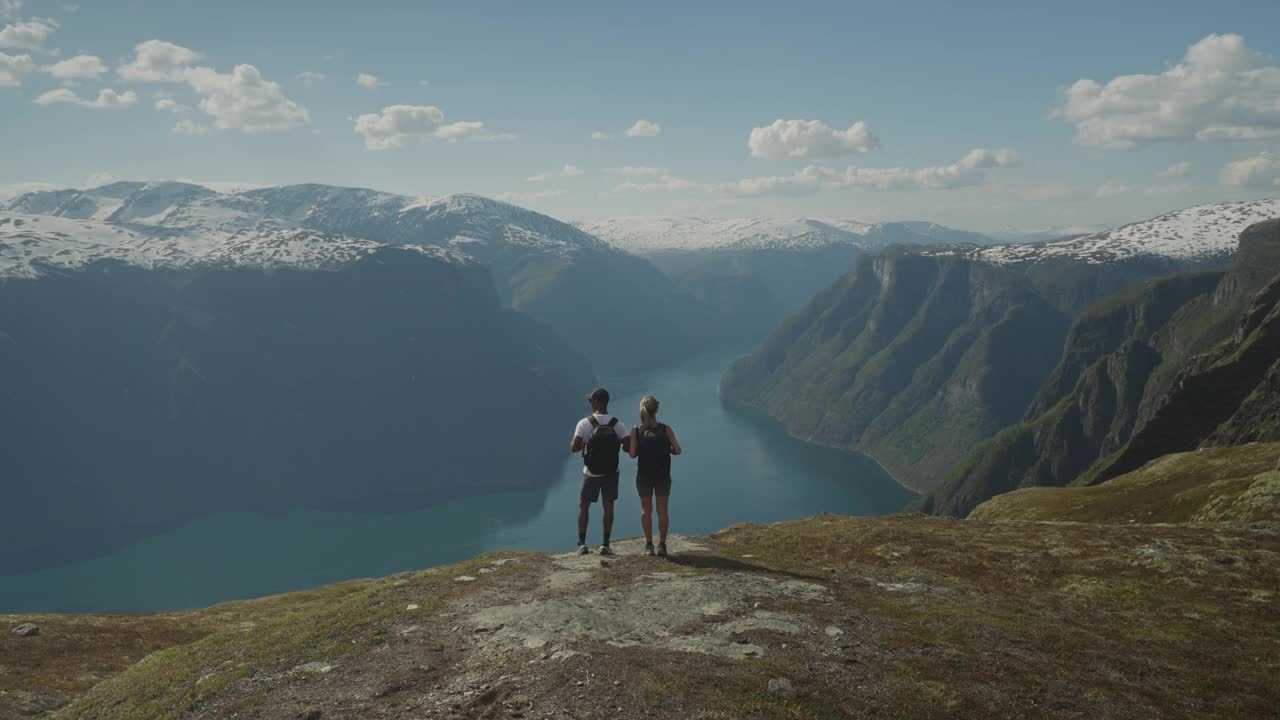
1010	235
1201	234
477	225
648	235
540	265
33	244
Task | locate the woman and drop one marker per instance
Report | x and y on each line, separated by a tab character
653	444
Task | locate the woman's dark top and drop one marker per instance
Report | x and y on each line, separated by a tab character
653	459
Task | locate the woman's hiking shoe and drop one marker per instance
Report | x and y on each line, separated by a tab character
604	550
648	548
662	549
583	549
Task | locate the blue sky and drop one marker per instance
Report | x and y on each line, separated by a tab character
970	116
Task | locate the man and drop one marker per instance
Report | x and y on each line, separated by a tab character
599	437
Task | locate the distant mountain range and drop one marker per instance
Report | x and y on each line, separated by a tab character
648	235
1201	234
757	271
918	354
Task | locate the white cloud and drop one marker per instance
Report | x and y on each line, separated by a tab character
107	98
643	128
80	67
1260	172
239	100
638	171
566	171
99	179
811	139
597	135
424	83
158	61
664	183
186	126
21	188
530	197
802	182
1167	189
27	34
367	80
387	129
1176	170
467	130
310	78
1221	91
223	186
969	170
243	100
13	68
171	105
1110	189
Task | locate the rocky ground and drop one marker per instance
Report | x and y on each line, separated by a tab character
833	617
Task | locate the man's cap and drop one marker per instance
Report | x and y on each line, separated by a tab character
599	395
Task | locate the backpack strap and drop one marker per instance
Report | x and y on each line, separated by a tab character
612	421
594	422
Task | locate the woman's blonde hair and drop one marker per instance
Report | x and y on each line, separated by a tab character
649	411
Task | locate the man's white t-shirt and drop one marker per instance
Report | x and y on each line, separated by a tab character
584	431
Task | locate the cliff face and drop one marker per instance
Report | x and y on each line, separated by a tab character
1224	397
910	359
1153	370
1089	404
135	399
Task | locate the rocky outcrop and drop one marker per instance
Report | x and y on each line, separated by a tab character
829	617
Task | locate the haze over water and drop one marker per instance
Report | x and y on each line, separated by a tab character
733	470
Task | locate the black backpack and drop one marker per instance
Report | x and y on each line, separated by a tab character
600	454
654	453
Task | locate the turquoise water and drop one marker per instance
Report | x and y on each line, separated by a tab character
733	470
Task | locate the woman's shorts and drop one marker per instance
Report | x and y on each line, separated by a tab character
648	487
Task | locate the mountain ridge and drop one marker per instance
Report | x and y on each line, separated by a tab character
549	269
1123	390
899	374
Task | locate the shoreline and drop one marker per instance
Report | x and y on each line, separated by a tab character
769	423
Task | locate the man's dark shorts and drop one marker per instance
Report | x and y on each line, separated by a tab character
595	486
648	487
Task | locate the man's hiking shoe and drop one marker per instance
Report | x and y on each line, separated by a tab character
584	550
648	548
605	550
662	549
